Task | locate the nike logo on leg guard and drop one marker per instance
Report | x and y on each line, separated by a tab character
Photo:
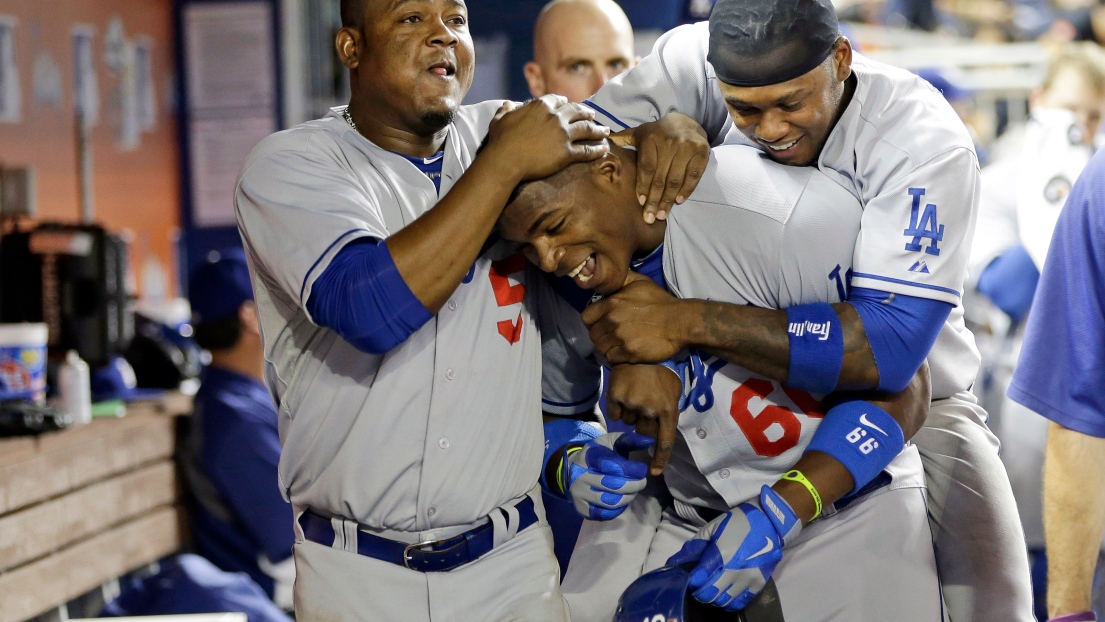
864	421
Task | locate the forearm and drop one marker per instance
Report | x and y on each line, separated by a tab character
828	476
1074	517
757	340
434	253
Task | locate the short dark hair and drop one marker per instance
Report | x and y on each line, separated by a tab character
220	334
352	12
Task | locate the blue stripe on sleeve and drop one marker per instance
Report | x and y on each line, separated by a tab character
600	109
362	297
901	330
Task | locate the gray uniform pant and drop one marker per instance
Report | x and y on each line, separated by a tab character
980	546
871	561
518	580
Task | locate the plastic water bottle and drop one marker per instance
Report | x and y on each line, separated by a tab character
75	388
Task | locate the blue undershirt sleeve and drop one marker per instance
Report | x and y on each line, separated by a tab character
901	330
1010	282
362	297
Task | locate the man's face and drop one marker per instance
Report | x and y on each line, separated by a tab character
791	120
1070	91
415	59
580	234
575	57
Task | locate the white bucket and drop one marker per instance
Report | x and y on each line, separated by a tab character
23	361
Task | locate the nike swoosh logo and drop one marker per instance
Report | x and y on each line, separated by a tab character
864	421
768	546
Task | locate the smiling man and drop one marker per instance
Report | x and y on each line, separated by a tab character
778	75
741	239
579	45
401	341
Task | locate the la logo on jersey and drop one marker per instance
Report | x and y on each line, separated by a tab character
923	225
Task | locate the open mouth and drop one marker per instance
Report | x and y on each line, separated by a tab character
584	271
443	68
781	148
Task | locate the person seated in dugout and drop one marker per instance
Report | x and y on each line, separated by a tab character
240	521
760	473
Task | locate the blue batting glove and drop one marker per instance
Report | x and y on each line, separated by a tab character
599	477
737	551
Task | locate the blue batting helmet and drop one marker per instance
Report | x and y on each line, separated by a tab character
662	596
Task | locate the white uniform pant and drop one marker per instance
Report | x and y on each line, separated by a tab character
872	561
980	544
518	580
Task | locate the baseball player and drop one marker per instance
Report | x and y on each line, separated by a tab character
402	343
1060	376
742	238
578	45
792	87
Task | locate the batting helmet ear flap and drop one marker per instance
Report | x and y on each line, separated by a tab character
662	596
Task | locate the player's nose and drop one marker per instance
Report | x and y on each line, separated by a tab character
772	127
548	256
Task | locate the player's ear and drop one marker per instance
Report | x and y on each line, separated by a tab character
842	58
347	42
247	315
535	79
608	170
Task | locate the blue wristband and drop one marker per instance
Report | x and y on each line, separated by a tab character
816	347
561	432
862	436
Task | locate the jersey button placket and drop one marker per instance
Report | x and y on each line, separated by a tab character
701	432
449	375
452	305
443	443
724	474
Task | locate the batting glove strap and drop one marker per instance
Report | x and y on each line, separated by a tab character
786	523
561	434
599	477
862	436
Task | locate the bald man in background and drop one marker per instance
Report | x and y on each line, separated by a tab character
578	45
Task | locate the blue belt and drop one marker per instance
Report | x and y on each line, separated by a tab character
881	480
438	556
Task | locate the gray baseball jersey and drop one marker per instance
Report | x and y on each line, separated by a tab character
898	146
446	426
753	233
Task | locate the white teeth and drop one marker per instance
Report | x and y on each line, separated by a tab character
584	279
573	273
782	147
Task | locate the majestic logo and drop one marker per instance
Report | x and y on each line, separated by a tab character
920	267
923	225
799	329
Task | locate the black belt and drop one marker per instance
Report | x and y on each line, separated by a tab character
881	480
438	556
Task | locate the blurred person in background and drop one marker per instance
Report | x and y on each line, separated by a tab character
577	46
1023	193
240	521
1061	375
